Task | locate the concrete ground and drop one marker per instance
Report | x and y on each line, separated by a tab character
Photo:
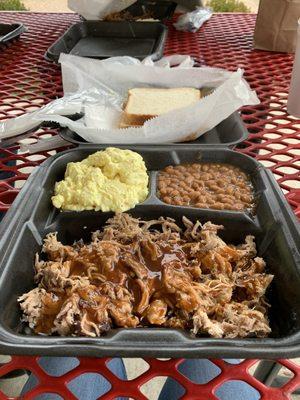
253	4
47	6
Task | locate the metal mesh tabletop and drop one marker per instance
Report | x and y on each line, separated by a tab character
27	82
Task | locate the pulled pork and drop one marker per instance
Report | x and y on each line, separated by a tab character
149	273
125	15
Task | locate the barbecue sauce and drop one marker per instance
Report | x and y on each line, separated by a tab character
117	273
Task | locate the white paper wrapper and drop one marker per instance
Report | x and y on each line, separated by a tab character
115	78
67	105
99	89
98	9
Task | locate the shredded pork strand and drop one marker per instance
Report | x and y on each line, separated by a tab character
137	273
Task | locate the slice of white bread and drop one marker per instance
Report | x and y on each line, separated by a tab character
146	103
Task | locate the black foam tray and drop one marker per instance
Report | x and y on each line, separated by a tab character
227	133
9	32
32	216
103	39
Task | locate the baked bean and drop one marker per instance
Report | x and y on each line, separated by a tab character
209	184
223	169
210	204
201	205
188	190
169	169
167	200
163	191
246	199
200	198
174	193
193	195
240	184
205	176
218	206
173	186
206	185
215	188
226	197
177	201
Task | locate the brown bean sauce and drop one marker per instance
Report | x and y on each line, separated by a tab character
206	185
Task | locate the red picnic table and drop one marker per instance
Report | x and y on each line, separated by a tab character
28	81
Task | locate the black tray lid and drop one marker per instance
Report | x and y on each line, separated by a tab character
9	32
104	39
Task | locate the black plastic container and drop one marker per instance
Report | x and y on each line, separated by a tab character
9	32
103	39
32	216
228	133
